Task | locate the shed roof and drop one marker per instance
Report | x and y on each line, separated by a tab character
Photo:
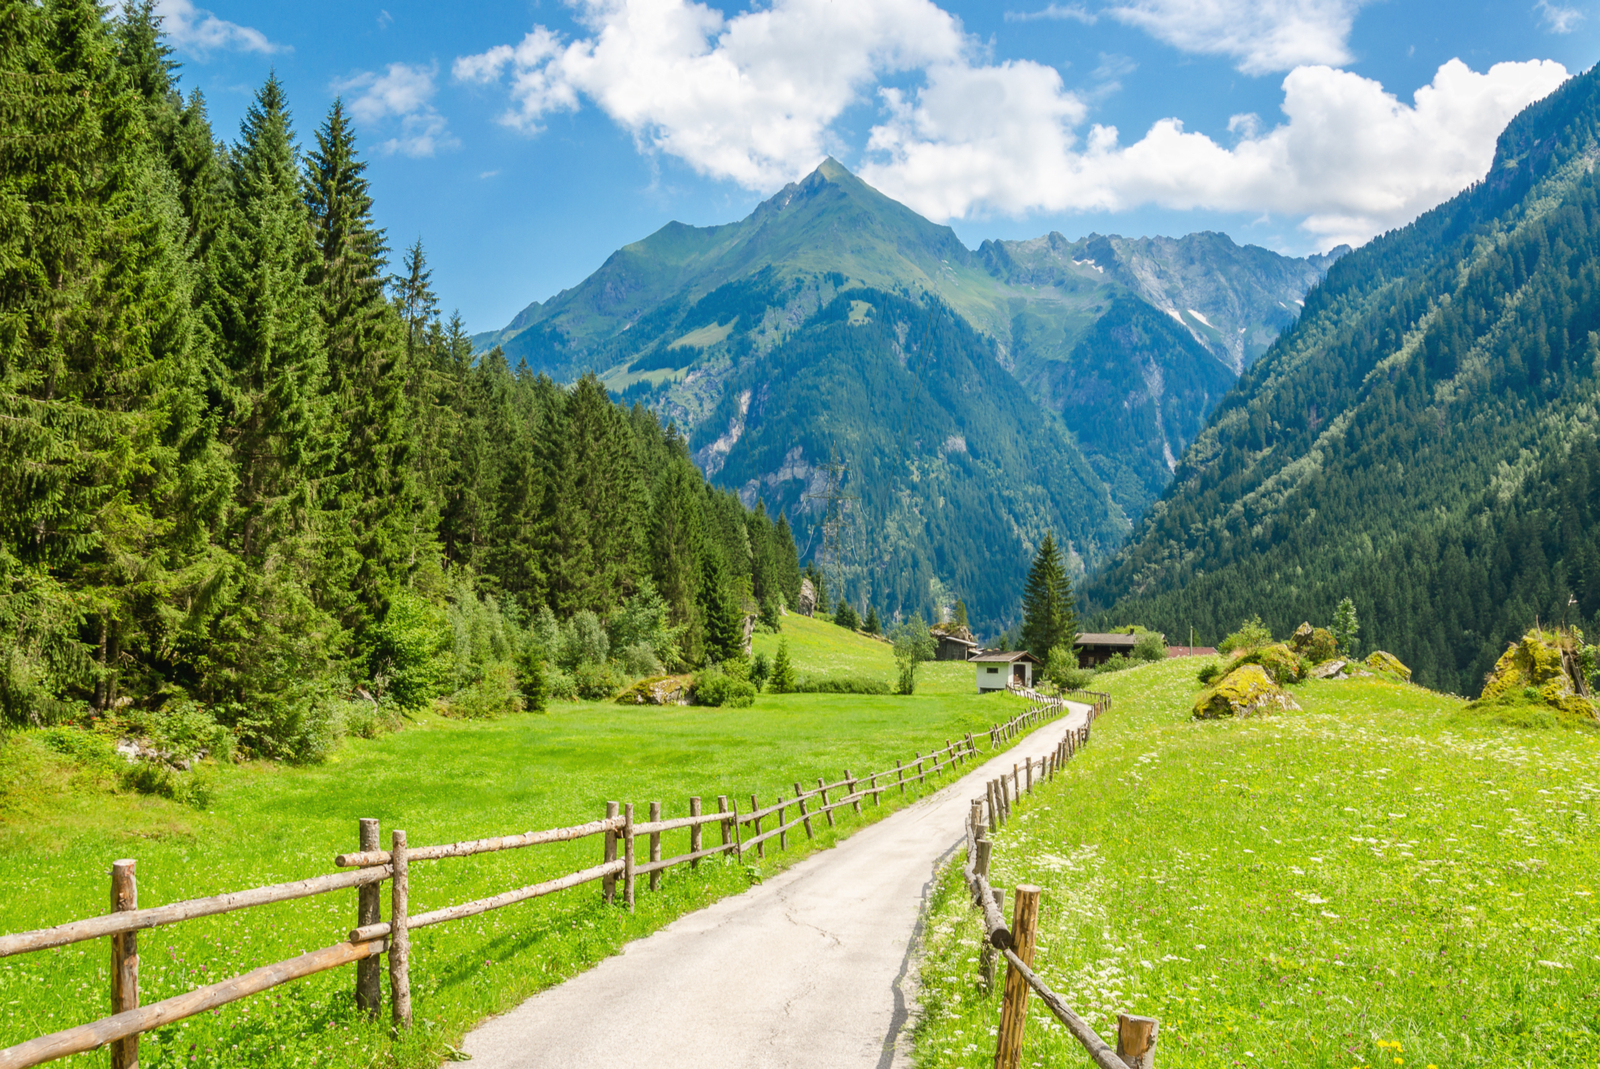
1091	639
1007	658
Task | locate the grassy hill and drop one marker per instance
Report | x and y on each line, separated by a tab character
1383	879
62	822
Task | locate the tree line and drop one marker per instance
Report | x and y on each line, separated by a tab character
231	440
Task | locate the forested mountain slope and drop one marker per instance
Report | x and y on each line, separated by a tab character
1131	343
955	474
1421	440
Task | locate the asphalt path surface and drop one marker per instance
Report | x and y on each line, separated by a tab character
809	968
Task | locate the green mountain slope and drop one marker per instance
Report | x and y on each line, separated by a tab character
954	474
1418	437
1130	342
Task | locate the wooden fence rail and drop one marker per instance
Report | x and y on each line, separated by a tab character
1136	1036
373	938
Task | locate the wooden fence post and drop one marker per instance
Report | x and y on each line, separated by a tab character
369	910
124	961
761	847
733	822
1005	800
1016	782
399	936
722	807
994	805
1030	775
1136	1040
825	810
1014	1007
783	836
900	770
608	886
951	750
655	846
627	855
981	864
919	765
877	795
803	811
850	788
987	955
695	838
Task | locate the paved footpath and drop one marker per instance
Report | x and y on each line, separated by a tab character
806	969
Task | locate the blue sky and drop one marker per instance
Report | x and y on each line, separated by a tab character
525	140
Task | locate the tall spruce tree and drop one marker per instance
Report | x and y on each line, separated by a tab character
372	484
271	632
1049	618
676	534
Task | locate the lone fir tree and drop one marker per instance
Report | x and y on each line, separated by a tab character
1049	618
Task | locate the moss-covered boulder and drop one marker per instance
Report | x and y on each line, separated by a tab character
1387	664
1542	668
657	690
1280	662
1245	691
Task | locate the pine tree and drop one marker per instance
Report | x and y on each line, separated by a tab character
414	297
960	617
724	632
872	626
845	615
675	549
783	674
372	486
1049	619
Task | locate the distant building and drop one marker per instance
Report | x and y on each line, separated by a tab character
1095	650
1191	651
953	643
997	671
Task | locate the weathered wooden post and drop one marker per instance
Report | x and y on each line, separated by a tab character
399	935
1005	799
733	823
987	955
975	819
1030	775
369	910
1016	781
850	788
824	795
994	805
1136	1040
919	765
1014	1006
124	961
722	807
981	864
608	886
695	839
627	855
799	796
655	846
877	795
900	771
951	750
783	836
755	807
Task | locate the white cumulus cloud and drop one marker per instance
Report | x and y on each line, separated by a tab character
401	98
748	98
1349	156
1558	18
1263	35
197	31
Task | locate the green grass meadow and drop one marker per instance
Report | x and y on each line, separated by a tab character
1384	879
61	826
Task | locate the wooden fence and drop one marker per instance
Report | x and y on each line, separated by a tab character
373	939
1136	1036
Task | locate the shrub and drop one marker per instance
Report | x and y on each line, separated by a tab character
588	642
83	747
595	682
186	729
1116	663
493	694
196	788
410	653
639	659
559	684
1212	671
842	685
1281	663
845	616
361	718
1251	633
760	671
1061	668
715	687
533	676
1150	647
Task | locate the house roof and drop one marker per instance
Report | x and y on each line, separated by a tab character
1128	641
1007	658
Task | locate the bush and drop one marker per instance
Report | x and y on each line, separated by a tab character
639	660
559	684
298	730
842	685
532	676
1150	647
1281	663
595	682
410	654
760	671
1212	671
492	695
196	788
186	730
83	747
715	687
1251	633
1115	663
1061	668
588	642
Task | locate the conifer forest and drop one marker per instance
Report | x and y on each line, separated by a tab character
250	475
